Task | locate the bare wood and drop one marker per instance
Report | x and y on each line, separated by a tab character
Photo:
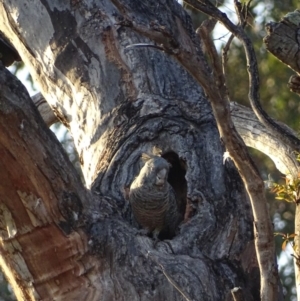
257	136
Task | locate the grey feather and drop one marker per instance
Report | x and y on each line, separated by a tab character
152	198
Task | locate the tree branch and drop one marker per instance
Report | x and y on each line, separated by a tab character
254	97
257	136
283	40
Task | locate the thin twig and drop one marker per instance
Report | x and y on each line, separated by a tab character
213	54
208	8
262	225
243	13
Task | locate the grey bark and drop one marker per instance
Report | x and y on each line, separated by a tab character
257	136
118	104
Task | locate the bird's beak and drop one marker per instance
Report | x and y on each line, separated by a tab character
161	177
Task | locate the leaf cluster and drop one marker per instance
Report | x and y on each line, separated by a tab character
287	238
289	192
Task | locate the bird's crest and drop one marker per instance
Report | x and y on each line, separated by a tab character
156	153
145	157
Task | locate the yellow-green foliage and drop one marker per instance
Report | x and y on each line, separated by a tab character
290	191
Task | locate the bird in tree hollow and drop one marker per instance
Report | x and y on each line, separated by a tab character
152	198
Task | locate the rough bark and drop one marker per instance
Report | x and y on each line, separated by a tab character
283	39
118	103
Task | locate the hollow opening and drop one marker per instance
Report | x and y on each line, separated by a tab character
177	180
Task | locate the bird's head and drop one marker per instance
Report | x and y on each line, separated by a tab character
161	177
155	171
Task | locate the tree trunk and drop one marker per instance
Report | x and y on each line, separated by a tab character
65	242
